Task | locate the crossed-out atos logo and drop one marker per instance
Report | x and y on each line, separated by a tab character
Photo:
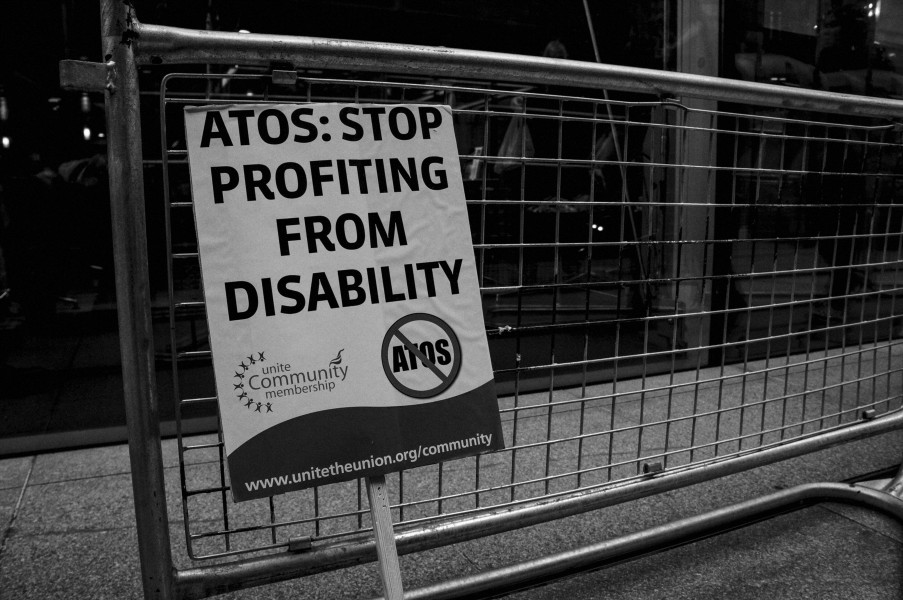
258	382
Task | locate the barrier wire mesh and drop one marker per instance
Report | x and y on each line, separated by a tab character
665	283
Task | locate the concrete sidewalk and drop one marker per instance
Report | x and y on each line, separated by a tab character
68	532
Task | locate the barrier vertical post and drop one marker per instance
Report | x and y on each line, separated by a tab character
133	298
386	552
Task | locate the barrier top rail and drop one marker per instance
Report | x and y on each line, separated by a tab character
155	44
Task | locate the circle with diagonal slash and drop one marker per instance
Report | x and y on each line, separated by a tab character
411	361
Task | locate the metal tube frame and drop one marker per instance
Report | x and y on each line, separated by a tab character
128	43
160	45
133	299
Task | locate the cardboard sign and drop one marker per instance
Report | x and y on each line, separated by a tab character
342	298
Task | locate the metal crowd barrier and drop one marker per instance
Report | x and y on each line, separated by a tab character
683	277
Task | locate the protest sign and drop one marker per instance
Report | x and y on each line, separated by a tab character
342	297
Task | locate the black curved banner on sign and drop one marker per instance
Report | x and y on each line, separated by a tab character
302	452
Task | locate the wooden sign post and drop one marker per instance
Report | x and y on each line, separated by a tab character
387	554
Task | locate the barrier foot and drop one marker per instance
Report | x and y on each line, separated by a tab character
671	535
895	486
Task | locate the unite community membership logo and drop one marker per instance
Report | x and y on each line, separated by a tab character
258	383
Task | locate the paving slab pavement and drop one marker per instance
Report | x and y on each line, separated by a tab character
73	536
68	523
816	553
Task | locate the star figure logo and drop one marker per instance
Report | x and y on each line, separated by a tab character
240	393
